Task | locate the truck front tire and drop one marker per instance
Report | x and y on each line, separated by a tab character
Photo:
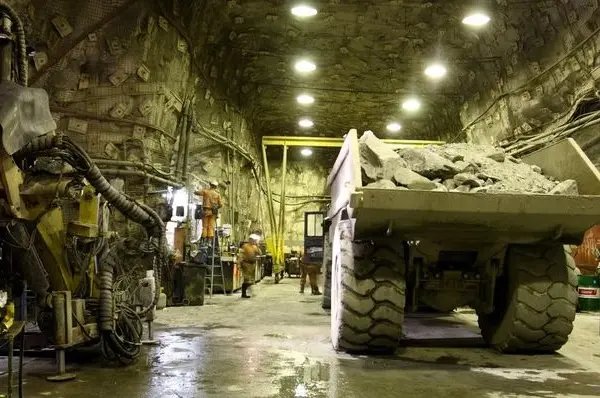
535	301
367	295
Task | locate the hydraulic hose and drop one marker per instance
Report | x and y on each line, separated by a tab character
105	309
126	206
21	45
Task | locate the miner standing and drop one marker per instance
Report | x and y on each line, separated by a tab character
211	203
247	262
310	270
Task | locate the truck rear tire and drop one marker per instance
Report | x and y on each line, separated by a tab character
535	301
367	295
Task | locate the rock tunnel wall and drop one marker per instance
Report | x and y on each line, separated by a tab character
551	63
128	78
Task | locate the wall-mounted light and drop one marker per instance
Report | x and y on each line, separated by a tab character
306	152
435	71
304	11
476	19
305	123
411	105
305	99
393	127
305	66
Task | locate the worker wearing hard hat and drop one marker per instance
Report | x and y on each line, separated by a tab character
211	203
247	262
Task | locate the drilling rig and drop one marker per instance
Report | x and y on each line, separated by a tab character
55	237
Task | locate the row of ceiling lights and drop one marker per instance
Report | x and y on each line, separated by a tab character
435	71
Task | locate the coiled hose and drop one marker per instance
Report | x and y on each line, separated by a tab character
22	68
120	339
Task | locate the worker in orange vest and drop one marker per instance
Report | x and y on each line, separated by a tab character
211	203
248	255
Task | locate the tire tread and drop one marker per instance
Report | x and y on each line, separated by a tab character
541	310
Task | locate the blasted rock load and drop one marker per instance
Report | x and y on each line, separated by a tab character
453	168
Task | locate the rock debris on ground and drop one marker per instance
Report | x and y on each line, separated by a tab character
453	168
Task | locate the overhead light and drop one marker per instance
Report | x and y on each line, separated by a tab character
306	152
306	123
304	11
476	19
411	105
436	71
393	127
305	66
305	99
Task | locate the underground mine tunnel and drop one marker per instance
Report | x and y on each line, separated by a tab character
303	198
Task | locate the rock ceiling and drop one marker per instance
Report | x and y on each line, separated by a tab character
370	55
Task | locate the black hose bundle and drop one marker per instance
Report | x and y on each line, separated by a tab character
22	66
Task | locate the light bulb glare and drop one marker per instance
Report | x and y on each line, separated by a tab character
393	127
305	99
305	66
306	152
476	19
304	11
436	71
305	123
411	105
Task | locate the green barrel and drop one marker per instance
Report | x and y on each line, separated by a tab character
589	293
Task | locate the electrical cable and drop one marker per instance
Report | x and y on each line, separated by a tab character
82	327
22	65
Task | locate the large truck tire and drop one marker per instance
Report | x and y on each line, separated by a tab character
326	303
535	301
367	295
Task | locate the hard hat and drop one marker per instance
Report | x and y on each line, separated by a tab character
214	183
254	237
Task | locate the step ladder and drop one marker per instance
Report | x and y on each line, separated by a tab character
216	272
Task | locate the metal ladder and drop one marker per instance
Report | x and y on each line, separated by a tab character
215	267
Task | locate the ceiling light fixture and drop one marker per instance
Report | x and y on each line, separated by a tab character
393	127
411	105
305	99
305	66
476	19
304	11
436	71
306	123
306	152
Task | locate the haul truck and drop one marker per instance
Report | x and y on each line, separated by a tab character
392	250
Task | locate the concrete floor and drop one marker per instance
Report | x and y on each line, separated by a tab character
277	345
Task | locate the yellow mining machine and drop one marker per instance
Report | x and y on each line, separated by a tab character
54	232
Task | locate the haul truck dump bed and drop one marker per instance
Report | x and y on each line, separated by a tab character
500	253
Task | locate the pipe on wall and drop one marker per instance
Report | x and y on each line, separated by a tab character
281	228
187	124
139	173
128	163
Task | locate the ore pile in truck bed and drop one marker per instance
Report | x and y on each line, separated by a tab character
453	168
